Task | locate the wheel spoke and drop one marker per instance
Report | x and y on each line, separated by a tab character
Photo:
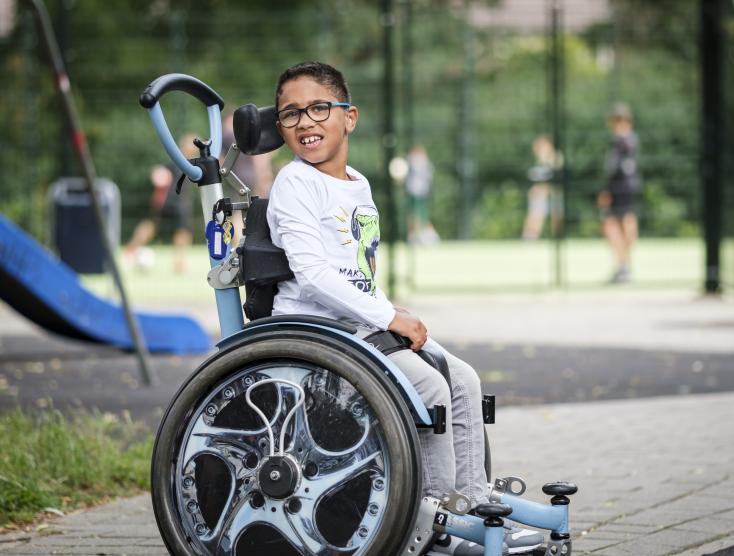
227	443
297	529
241	515
222	434
323	484
230	447
313	492
304	534
301	440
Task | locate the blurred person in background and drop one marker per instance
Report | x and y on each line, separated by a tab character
618	200
169	212
542	194
418	187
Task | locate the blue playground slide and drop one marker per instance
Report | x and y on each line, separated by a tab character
49	293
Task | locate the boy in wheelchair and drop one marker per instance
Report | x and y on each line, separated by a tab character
321	213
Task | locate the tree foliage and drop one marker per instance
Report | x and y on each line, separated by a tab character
646	54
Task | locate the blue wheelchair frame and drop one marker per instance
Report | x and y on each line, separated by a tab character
485	529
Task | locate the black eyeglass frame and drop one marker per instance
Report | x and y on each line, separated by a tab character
302	111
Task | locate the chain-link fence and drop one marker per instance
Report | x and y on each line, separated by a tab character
476	83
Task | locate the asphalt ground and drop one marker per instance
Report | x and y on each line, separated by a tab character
554	347
37	371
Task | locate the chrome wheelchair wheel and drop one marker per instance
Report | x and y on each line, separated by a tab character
346	479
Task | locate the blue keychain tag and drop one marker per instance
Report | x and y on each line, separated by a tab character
215	239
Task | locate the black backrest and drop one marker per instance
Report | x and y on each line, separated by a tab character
262	263
254	129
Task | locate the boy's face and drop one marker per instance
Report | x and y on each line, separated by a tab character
321	144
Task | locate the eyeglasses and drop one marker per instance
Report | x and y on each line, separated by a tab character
318	112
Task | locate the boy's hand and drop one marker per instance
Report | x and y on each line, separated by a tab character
411	327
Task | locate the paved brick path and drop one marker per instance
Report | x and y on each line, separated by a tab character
655	476
122	527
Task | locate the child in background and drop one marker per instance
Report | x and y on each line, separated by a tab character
618	200
168	211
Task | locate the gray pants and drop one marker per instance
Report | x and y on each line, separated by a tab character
453	461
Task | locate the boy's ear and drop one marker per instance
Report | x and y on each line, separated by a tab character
351	118
279	128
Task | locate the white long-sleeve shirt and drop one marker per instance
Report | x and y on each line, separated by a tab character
329	229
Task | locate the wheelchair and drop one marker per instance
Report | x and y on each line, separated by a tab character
297	437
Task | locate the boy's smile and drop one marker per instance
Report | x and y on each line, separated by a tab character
310	141
322	144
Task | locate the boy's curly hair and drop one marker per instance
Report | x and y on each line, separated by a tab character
322	73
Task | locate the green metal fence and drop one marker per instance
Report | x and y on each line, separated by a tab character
476	82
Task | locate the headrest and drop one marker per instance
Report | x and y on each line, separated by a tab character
254	129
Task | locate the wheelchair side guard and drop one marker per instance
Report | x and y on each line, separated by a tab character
421	415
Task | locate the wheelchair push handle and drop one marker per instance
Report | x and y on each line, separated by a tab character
179	82
150	99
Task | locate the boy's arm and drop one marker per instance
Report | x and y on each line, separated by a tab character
294	218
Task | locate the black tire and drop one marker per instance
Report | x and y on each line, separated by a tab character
299	351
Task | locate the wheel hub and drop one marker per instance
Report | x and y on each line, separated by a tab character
278	477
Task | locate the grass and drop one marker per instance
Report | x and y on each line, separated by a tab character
456	266
513	265
58	462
